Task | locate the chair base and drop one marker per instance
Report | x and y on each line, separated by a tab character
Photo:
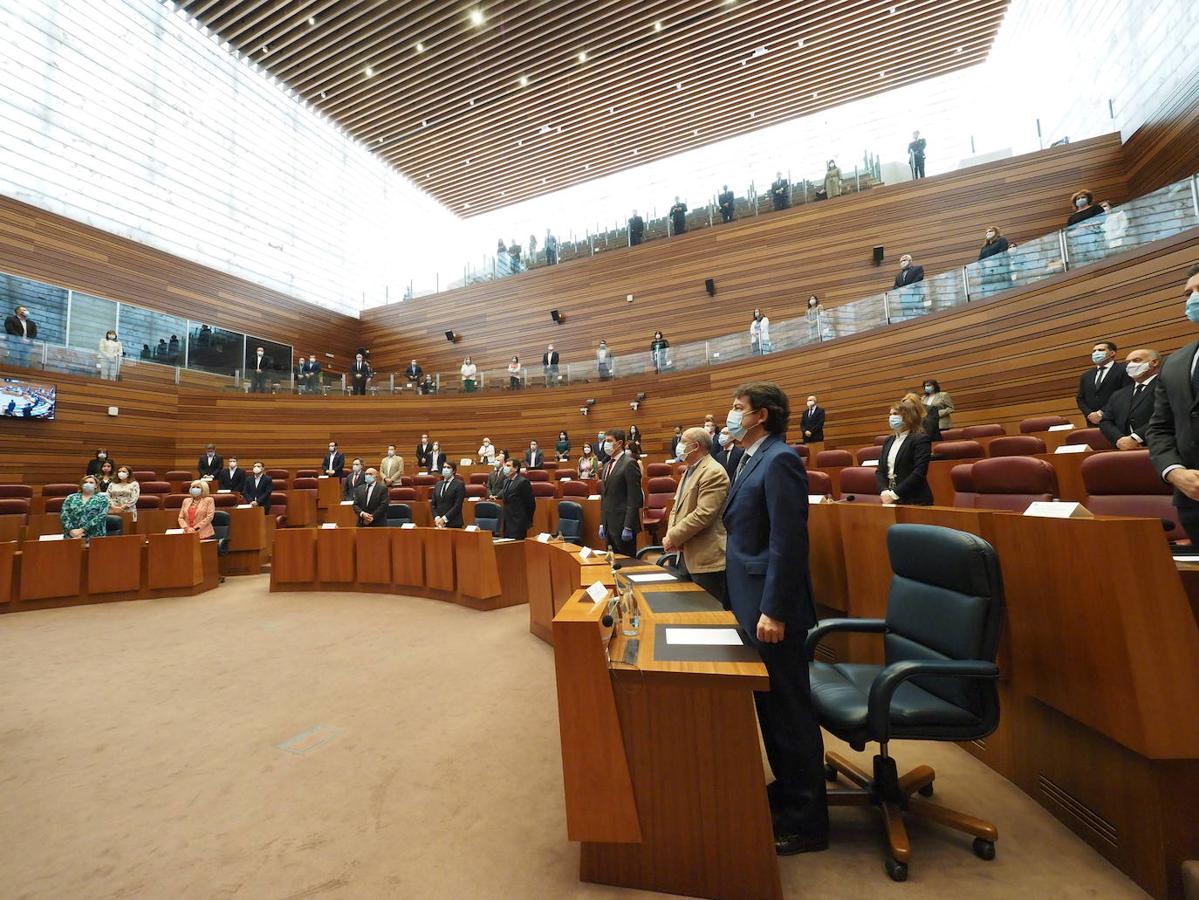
892	794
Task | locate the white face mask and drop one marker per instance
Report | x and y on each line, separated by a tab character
811	404
122	475
391	452
1081	202
724	439
447	472
357	468
609	447
1137	369
258	470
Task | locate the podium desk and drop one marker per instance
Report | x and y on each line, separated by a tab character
8	570
664	782
246	552
44	523
826	556
328	492
478	571
341	514
335	564
301	509
51	569
12	527
156	521
554	571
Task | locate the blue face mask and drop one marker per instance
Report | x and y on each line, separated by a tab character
1193	307
723	439
895	421
370	479
447	472
734	423
1099	357
195	492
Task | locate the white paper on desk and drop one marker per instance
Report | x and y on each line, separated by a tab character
815	498
543	538
503	540
471	528
585	553
225	491
564	478
869	463
1072	448
593	496
1186	559
245	506
347	502
173	531
647	577
473	499
1066	427
52	537
322	476
597	592
408	525
724	637
329	525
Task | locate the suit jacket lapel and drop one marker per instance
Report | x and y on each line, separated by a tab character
749	466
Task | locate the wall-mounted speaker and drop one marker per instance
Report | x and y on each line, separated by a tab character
450	336
556	316
710	286
878	256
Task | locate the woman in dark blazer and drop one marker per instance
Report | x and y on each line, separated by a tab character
902	471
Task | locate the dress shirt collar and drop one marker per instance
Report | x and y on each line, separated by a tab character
753	448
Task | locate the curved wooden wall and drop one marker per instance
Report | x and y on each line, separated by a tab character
774	261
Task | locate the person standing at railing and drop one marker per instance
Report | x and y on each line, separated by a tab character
993	263
260	372
1115	225
759	334
360	374
658	351
993	244
469	372
832	180
551	249
908	273
514	374
814	314
636	229
24	329
108	356
549	365
413	373
604	360
310	374
532	249
514	255
678	217
1085	208
916	155
780	192
726	203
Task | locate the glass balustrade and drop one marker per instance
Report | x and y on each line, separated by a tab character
210	357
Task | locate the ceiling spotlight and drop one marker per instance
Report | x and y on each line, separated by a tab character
265	49
545	129
424	123
559	129
634	151
891	10
524	80
959	49
815	95
471	103
476	17
751	115
882	74
369	71
586	166
679	86
312	20
324	95
466	206
420	47
611	109
657	26
468	162
799	43
543	181
583	57
520	143
378	140
695	133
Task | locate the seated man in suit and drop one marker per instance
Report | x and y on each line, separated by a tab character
812	422
447	498
232	478
728	453
354	480
210	464
534	458
334	464
694	528
908	273
370	501
391	468
258	487
1126	415
1097	385
519	503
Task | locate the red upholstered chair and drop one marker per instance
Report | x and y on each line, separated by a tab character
278	476
1092	437
407	481
536	475
16	491
54	504
58	489
868	453
820	483
953	434
576	489
957	450
173	501
1127	484
1016	445
963	485
1041	423
476	490
858	485
14	506
145	475
308	473
224	501
659	470
425	480
149	501
802	450
880	439
179	475
830	458
155	487
402	495
543	489
1012	482
970	432
657	504
278	501
478	478
568	474
306	483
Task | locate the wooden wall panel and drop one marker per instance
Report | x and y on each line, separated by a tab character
57	250
773	261
1164	149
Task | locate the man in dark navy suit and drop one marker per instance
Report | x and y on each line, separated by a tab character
1096	385
1126	415
770	591
334	463
259	487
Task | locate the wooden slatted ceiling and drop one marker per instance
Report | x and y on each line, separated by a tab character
774	261
456	119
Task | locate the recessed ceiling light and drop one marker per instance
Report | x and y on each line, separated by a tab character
543	181
751	115
520	143
611	110
476	17
524	80
891	10
959	49
695	133
545	129
378	140
503	194
800	43
657	26
679	86
634	151
312	20
742	62
471	103
468	162
583	56
815	95
369	71
324	95
420	47
882	74
423	124
586	166
559	129
265	48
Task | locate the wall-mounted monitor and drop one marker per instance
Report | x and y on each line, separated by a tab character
26	399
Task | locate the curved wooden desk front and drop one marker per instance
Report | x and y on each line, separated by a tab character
467	567
665	787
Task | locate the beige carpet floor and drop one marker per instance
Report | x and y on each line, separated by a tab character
248	744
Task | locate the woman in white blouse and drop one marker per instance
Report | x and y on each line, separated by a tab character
469	370
514	373
759	334
108	356
123	493
487	452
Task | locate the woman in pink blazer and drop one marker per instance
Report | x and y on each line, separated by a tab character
197	511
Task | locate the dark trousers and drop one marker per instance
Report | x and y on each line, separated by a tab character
917	166
358	385
794	745
626	548
260	382
714	584
1189	517
726	215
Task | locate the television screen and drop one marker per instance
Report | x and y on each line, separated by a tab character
26	400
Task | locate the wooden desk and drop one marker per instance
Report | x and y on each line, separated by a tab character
341	514
114	565
51	569
174	561
373	557
246	552
826	556
301	509
335	565
553	572
43	523
328	492
8	570
156	521
660	799
12	527
476	570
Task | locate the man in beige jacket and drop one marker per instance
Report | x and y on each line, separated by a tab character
391	467
695	529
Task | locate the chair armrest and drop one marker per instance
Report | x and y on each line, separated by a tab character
647	550
887	682
828	626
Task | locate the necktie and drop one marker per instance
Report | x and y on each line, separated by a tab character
1136	391
1099	376
368	494
741	465
1195	380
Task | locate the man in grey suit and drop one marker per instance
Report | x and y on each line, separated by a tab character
1173	431
620	506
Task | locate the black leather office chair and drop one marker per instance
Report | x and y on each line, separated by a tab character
657	554
398	514
220	528
570	521
941	634
487	516
113	525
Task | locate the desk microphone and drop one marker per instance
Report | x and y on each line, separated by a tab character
606	621
849	498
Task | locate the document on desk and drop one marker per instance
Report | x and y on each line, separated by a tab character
725	637
647	577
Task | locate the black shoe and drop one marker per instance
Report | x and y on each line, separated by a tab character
790	844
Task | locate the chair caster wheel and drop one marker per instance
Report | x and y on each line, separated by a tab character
830	773
897	870
927	790
984	849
